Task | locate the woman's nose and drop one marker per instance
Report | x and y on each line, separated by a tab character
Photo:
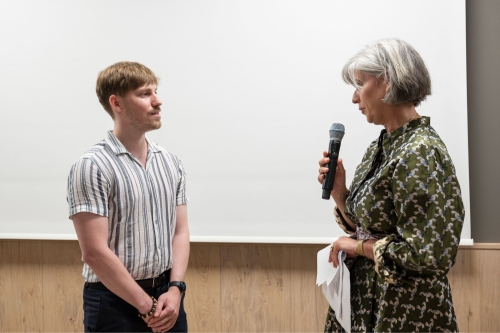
355	96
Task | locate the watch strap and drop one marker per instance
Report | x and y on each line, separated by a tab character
360	247
179	284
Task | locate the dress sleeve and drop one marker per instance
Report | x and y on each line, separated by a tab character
429	210
341	221
87	189
181	186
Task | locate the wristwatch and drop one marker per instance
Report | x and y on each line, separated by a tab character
179	284
360	247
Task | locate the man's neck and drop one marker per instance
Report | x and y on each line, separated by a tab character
134	142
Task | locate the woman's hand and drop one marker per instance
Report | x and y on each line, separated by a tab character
339	191
346	244
350	247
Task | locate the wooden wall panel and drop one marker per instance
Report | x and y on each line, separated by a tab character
62	287
475	287
21	306
231	288
461	278
252	288
307	305
489	295
203	298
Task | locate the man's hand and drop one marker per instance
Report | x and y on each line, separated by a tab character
167	311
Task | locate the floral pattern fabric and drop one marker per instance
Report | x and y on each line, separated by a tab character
405	194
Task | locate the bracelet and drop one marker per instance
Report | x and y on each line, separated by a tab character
153	308
360	247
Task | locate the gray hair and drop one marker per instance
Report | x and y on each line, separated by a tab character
399	64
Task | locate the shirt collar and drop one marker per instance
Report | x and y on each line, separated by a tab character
153	147
425	121
118	148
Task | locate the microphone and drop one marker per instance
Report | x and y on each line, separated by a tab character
336	135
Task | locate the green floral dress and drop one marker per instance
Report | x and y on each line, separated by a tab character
406	195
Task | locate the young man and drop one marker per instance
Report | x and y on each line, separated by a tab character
127	200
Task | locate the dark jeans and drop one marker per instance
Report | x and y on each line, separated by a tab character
103	311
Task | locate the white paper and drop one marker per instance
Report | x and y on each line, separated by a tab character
336	286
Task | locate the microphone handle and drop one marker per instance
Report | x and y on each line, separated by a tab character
328	182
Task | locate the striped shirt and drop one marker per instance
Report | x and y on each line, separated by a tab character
140	203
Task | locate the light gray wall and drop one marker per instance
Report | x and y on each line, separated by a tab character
247	86
483	53
483	85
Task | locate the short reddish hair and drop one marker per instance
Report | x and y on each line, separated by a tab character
119	79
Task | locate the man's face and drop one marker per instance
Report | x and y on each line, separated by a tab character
141	108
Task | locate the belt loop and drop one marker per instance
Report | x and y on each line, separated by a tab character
153	282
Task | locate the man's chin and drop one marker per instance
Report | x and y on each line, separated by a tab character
154	126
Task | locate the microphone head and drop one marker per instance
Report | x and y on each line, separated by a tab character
337	132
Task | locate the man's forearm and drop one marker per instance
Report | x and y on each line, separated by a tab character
111	272
180	245
92	232
180	250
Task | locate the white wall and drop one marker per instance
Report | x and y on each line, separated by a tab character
249	89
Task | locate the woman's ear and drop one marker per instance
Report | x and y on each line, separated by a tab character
384	86
387	82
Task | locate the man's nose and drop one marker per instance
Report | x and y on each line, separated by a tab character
156	100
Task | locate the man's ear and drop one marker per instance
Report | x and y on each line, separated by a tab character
114	102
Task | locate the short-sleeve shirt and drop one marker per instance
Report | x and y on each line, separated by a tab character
140	203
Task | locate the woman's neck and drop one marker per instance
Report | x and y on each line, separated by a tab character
400	114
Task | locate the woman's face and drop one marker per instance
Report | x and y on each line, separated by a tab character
369	97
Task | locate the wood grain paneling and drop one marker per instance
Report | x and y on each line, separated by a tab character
461	278
489	296
21	305
231	288
203	298
62	287
307	305
252	290
476	288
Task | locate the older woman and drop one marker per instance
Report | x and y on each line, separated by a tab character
403	211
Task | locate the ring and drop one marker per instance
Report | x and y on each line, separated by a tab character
331	247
